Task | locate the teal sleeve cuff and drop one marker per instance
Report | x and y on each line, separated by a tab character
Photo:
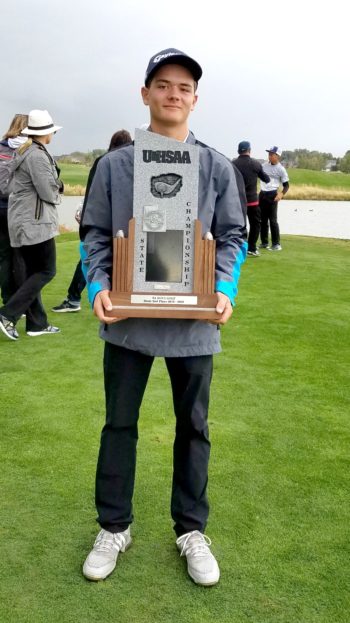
226	287
230	288
83	256
92	288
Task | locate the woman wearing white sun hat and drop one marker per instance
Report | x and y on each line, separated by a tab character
33	224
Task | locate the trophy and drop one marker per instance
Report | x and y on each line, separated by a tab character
164	266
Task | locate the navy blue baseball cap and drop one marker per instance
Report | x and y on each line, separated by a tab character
175	57
274	150
243	146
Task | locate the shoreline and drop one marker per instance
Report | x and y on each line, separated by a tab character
300	192
324	219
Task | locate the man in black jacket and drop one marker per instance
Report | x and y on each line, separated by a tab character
251	170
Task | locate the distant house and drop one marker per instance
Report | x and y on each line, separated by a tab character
331	165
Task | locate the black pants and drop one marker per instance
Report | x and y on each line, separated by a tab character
77	285
126	373
40	267
268	208
11	264
254	219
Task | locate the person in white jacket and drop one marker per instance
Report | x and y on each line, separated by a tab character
270	194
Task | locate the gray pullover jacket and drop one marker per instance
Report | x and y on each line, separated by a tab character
110	207
32	212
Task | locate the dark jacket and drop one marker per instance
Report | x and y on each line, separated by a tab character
6	152
251	170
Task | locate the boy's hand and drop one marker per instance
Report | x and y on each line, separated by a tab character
224	308
103	303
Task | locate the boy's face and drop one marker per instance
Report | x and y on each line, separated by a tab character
170	95
273	158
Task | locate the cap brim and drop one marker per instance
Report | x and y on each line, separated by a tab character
179	59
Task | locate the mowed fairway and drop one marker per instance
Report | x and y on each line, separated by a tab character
279	473
333	179
74	174
78	173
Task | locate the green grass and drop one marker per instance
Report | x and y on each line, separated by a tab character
279	473
333	179
76	174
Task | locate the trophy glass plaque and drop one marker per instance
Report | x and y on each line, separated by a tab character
165	267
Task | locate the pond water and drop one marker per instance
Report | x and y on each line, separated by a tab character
325	219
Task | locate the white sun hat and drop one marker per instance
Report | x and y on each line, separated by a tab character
40	123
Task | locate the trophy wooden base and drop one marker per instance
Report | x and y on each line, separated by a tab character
190	307
199	304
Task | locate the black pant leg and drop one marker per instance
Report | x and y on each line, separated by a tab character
19	269
77	285
125	374
40	272
264	213
7	282
254	219
190	380
275	230
40	268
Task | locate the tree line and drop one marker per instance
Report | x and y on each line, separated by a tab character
80	157
298	158
316	160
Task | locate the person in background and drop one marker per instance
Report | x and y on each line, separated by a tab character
251	170
10	264
33	225
72	302
270	195
187	345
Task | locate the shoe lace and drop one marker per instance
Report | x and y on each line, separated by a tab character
194	543
106	541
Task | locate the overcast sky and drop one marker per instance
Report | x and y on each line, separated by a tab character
274	73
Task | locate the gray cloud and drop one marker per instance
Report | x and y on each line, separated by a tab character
271	74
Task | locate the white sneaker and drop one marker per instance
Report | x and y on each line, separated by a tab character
103	557
8	328
254	253
202	566
48	331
